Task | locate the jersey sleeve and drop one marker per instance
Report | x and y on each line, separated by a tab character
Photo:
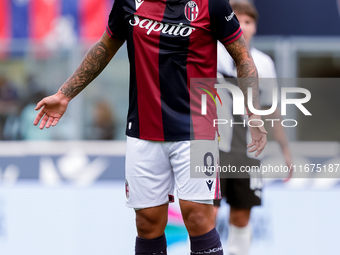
223	22
116	27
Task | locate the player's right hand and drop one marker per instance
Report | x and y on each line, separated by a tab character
258	135
52	109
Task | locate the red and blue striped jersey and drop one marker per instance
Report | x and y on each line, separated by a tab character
170	42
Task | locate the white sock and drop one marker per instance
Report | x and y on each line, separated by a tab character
239	240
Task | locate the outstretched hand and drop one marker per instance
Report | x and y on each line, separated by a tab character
258	136
52	109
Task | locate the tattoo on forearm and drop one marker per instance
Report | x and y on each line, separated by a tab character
246	70
93	63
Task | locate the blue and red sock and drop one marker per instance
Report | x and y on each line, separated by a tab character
150	246
208	243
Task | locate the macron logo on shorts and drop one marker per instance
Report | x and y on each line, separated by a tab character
210	183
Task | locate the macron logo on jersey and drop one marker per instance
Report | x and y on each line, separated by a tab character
230	16
152	25
138	3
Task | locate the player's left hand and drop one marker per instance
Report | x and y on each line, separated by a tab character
258	135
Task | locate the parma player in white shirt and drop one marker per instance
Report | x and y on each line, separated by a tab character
245	192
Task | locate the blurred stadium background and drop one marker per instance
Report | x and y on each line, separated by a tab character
62	189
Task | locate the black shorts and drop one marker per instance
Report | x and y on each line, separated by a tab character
239	189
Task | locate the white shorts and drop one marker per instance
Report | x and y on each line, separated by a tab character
153	169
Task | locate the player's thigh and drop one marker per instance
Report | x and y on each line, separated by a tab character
188	160
148	174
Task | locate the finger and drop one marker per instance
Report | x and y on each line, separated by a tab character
251	144
259	151
49	122
261	146
38	117
40	104
290	174
256	146
253	149
43	121
55	121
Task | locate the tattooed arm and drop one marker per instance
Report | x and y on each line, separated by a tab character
248	77
246	70
92	65
94	62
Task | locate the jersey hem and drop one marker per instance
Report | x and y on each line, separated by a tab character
172	139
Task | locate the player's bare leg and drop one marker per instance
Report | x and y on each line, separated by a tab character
198	218
239	217
216	211
239	238
151	223
200	222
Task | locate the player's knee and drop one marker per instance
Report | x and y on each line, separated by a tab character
239	217
150	226
198	220
144	226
